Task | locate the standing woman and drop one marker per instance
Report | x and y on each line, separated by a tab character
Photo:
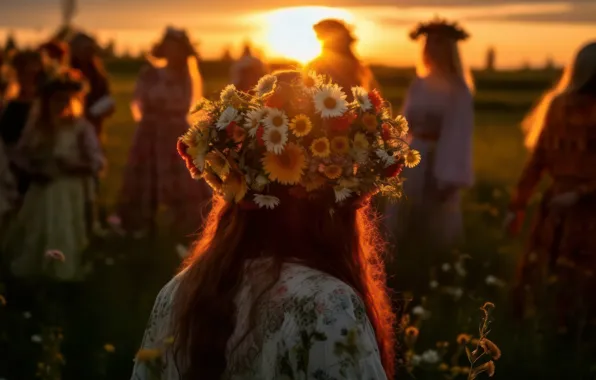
561	132
154	175
99	104
338	60
439	110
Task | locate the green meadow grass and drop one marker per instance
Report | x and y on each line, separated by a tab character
117	299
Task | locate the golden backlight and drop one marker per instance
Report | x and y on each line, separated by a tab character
289	32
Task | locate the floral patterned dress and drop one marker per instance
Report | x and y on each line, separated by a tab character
310	325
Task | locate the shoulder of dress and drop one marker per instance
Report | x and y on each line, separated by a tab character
300	280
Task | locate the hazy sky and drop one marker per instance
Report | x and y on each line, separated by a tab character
522	31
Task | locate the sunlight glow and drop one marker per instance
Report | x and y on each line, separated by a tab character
289	32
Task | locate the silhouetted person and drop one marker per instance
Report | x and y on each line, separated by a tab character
337	59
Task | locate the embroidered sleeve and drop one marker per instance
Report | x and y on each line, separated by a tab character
328	337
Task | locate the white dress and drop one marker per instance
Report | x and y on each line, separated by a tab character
441	119
310	325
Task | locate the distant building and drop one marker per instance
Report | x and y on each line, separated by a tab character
227	55
490	59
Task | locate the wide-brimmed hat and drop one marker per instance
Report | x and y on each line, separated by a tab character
177	35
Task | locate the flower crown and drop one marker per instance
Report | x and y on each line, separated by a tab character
61	78
440	26
299	135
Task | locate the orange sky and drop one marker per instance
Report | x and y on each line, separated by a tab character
522	32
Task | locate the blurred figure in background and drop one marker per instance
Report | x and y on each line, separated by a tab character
60	153
154	175
8	191
561	133
247	70
439	109
99	104
27	68
338	60
57	52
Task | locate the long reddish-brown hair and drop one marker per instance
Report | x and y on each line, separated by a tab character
344	244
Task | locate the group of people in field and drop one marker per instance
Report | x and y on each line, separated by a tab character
52	112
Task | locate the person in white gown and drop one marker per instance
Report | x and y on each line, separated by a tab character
439	110
286	281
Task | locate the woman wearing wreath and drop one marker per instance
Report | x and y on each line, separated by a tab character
439	110
286	280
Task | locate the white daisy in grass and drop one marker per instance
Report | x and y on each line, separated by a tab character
229	115
387	159
330	101
252	120
266	84
276	119
266	201
228	94
342	193
275	139
361	97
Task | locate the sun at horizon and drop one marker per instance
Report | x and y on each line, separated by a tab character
289	31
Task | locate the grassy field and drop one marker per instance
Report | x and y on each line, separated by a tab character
113	306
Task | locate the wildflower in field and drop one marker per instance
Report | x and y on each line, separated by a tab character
446	267
463	339
411	335
2	300
109	348
490	348
433	284
443	367
430	357
148	355
456	370
416	360
419	311
27	315
442	345
488	367
36	338
55	254
460	269
492	280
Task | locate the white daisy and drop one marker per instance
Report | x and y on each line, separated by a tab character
431	357
226	117
227	94
260	182
266	84
276	119
341	194
330	101
275	139
361	97
385	157
252	120
266	201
